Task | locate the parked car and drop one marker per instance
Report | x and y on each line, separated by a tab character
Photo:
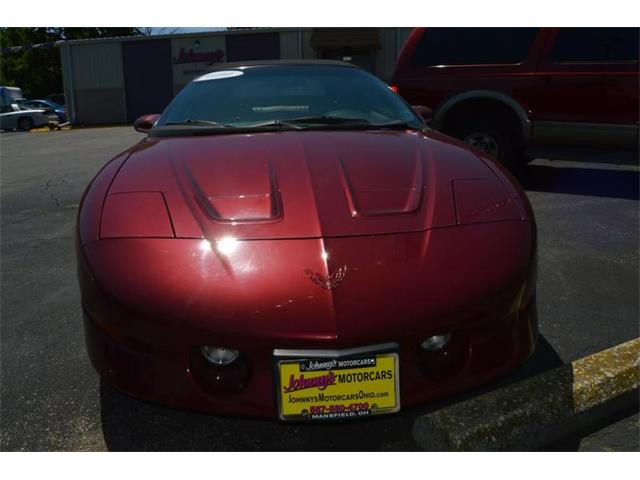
546	92
291	240
57	98
16	116
48	104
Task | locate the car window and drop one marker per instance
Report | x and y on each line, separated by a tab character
241	97
597	45
48	104
473	46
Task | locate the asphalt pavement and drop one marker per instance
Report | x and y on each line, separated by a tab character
51	399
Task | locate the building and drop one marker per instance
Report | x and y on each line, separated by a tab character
115	80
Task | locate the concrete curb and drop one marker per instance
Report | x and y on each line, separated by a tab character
47	129
535	411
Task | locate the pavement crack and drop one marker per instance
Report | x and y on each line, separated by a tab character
46	187
55	200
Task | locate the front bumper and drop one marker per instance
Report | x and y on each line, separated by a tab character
168	378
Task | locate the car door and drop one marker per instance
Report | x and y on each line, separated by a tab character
590	94
7	117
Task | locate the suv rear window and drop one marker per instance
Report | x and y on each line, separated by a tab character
473	46
597	45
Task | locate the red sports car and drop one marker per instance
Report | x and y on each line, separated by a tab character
291	240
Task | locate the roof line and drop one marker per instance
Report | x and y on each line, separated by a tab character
210	33
290	62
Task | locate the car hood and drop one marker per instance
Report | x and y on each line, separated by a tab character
307	184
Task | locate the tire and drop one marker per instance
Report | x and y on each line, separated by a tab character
25	124
495	135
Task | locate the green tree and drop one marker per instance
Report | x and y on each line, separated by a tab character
31	61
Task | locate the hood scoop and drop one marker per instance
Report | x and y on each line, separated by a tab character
382	183
234	189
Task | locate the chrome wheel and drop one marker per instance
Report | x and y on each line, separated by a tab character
483	141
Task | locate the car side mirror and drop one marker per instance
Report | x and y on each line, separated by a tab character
425	112
146	122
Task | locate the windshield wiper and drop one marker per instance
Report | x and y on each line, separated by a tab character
302	123
395	124
190	121
328	120
274	123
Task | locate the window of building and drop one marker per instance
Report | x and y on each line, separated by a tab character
473	46
596	45
353	45
364	57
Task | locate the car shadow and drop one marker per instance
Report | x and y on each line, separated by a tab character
590	181
129	424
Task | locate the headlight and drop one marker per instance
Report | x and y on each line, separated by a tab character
135	214
483	200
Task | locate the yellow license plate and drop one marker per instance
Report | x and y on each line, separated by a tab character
336	388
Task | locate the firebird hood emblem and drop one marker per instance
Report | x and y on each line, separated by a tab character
328	282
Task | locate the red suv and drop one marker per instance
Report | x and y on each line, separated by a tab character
517	93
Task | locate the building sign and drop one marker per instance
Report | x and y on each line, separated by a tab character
208	58
192	57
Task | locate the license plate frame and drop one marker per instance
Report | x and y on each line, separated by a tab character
353	361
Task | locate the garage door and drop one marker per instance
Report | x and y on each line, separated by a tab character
253	46
148	76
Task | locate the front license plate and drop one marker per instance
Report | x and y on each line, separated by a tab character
335	388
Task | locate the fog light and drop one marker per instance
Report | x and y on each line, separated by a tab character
435	343
220	356
443	356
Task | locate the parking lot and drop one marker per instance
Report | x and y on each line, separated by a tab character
588	229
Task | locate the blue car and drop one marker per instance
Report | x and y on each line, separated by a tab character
58	109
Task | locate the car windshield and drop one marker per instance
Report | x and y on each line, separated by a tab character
293	97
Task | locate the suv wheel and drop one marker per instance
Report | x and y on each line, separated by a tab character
25	124
495	136
484	141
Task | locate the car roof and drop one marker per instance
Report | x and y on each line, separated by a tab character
283	63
